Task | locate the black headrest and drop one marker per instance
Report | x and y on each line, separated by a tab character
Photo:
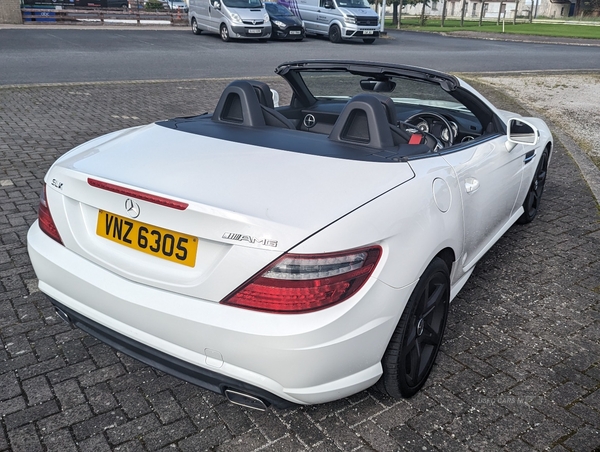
239	105
390	108
364	120
263	92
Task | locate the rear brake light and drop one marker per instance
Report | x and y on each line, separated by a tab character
166	202
298	283
45	218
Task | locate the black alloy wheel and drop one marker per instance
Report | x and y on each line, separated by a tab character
533	199
335	35
412	350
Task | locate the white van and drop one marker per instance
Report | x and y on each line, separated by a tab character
239	19
338	19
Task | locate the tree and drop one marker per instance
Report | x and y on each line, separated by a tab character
417	2
589	7
397	12
444	12
422	18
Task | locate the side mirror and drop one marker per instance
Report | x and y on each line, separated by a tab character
521	132
328	4
216	5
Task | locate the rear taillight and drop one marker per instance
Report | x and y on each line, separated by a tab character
298	283
45	218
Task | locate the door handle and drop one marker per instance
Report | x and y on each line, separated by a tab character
529	157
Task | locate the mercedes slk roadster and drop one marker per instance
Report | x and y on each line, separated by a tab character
290	254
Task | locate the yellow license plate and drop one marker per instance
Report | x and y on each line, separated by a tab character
164	243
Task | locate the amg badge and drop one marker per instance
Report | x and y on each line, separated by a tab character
249	239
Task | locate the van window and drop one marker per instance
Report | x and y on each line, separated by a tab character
353	4
243	3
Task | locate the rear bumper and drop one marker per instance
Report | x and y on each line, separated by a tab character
304	359
199	376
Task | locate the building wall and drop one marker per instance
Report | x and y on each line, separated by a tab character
544	8
10	12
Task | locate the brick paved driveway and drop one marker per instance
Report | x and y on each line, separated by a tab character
519	367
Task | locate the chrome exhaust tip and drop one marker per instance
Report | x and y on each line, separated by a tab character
63	315
245	400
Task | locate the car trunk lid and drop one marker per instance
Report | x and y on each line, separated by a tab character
244	205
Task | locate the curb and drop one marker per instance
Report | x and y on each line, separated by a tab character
589	171
529	39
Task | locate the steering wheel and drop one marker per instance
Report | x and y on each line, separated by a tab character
420	118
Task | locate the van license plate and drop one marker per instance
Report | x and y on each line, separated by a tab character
368	32
164	243
294	32
255	30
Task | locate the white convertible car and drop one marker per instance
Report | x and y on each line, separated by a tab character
290	254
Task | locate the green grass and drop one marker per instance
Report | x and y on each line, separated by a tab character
537	29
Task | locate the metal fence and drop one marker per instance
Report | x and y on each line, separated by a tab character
102	16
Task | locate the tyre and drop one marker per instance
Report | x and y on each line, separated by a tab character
412	350
532	201
368	40
335	35
195	28
225	33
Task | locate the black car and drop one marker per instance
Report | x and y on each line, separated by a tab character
284	23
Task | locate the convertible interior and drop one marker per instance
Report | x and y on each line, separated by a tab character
352	114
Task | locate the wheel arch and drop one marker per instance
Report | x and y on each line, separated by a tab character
339	25
549	147
337	22
448	256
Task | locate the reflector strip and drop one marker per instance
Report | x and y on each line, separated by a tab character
138	194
